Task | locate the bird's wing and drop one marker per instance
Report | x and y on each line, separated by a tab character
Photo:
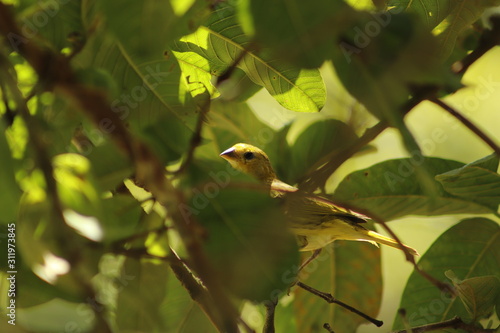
313	212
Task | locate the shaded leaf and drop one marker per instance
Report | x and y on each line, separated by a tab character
59	22
140	297
391	189
149	88
478	182
247	241
297	31
145	28
180	313
311	148
478	294
471	249
351	272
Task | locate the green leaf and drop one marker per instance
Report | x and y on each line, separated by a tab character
221	41
303	33
478	294
141	294
247	241
180	313
145	28
123	217
470	248
316	140
109	165
235	122
58	22
149	89
391	189
351	272
448	19
478	182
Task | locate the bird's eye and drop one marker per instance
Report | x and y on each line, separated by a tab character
248	155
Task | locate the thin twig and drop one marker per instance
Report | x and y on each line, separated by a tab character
476	130
328	328
455	323
330	299
196	138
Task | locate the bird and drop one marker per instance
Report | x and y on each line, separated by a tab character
315	221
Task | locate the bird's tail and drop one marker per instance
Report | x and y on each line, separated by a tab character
376	237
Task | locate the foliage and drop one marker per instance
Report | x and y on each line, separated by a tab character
124	216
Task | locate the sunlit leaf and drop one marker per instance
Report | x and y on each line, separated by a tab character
470	248
221	41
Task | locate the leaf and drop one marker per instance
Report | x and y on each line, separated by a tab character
109	165
57	21
313	145
461	18
478	182
180	313
149	89
303	33
351	272
145	28
247	241
448	19
470	248
391	189
478	294
221	41
140	297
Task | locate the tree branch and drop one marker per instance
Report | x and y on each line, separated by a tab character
467	123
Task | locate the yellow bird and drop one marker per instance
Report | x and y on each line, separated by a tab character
314	221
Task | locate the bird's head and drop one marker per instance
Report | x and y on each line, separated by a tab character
250	160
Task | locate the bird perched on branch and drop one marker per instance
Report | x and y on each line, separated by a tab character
314	220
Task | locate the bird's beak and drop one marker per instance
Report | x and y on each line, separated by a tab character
228	154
